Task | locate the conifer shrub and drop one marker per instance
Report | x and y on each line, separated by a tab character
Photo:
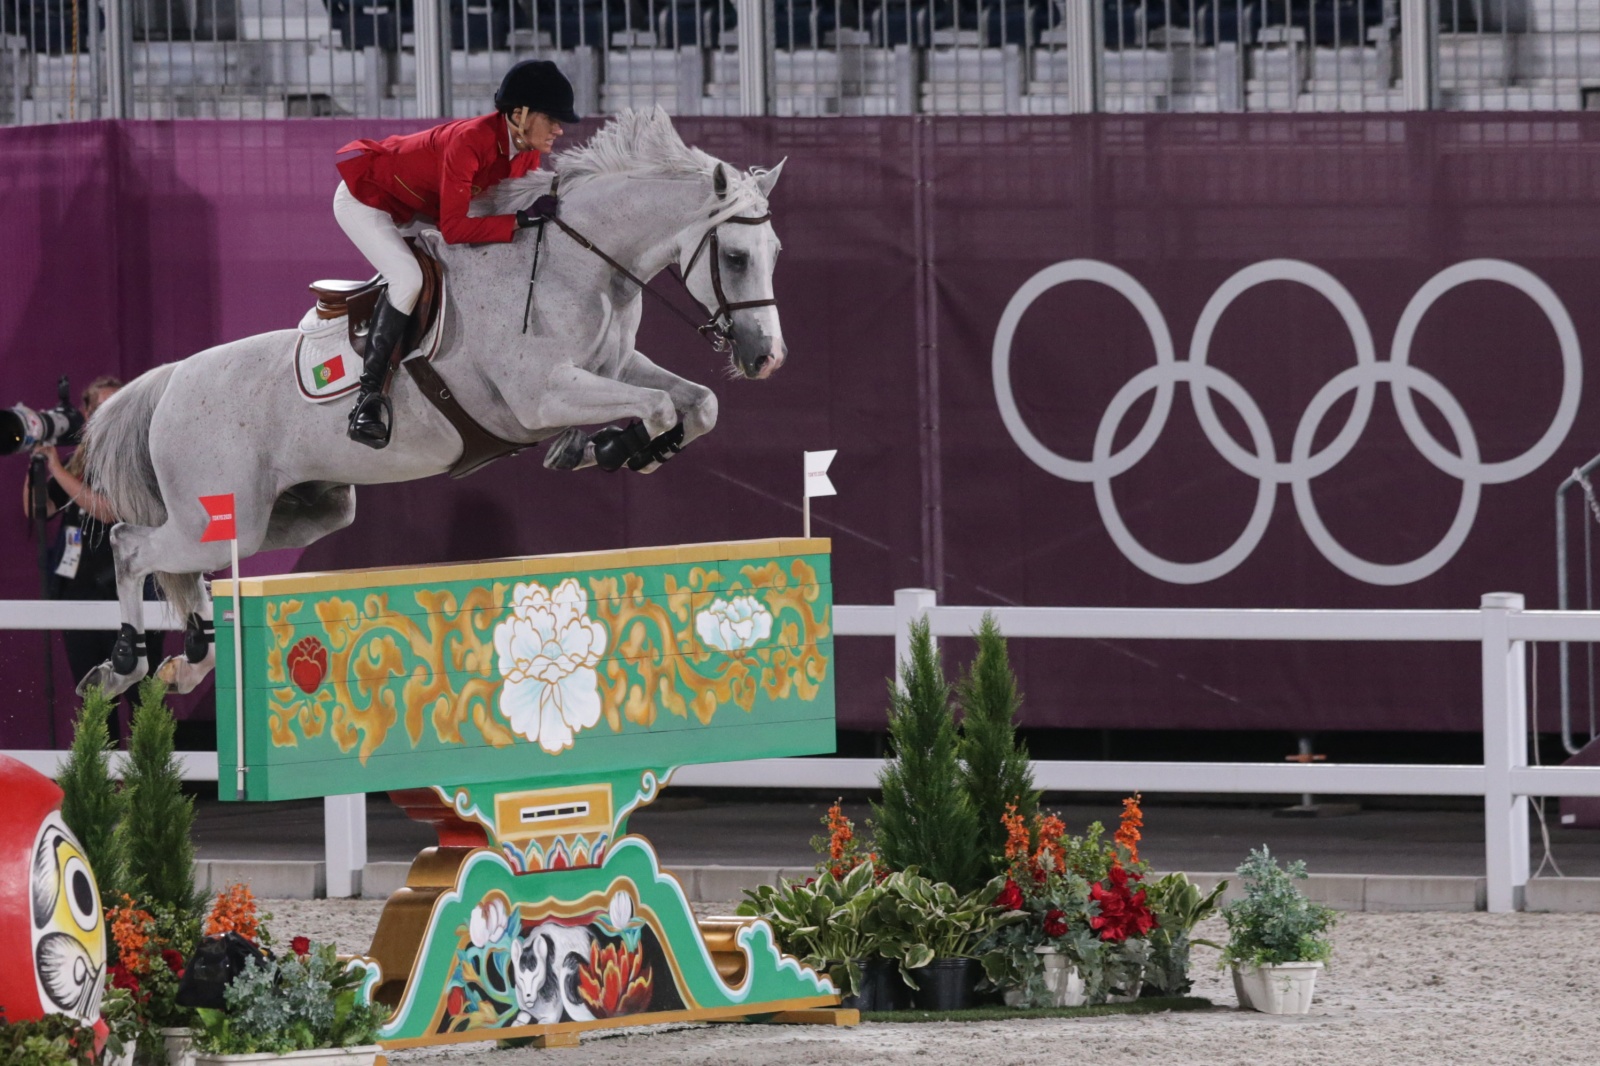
155	828
996	770
91	805
925	819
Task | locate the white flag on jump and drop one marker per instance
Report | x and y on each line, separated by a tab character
817	483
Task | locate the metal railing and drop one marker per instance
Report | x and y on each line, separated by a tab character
1505	780
63	60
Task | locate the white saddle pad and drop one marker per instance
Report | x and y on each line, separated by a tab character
324	366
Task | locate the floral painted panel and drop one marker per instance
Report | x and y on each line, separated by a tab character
398	686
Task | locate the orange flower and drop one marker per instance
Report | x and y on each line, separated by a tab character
1128	834
841	833
1051	856
615	981
131	929
1017	840
233	912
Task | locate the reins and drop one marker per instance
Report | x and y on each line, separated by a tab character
717	330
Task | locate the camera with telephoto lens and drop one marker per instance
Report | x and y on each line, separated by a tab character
21	427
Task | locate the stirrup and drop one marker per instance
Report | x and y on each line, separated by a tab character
370	419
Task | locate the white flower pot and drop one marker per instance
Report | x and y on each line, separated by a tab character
1060	977
366	1055
1282	988
179	1043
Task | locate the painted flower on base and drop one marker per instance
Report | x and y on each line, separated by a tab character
734	625
614	982
488	922
308	664
546	651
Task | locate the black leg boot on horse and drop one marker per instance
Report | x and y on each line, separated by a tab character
373	414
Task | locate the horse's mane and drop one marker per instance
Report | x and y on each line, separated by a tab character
642	143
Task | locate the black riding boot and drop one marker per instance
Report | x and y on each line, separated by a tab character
370	418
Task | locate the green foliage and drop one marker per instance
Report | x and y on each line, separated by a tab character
54	1040
295	1003
120	1012
155	827
1275	922
90	803
944	923
828	923
834	923
1179	906
926	820
1086	856
996	770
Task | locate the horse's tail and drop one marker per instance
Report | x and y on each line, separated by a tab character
117	446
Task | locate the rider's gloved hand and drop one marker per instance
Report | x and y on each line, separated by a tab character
544	207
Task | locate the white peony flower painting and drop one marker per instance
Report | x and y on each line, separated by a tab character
488	922
546	651
734	625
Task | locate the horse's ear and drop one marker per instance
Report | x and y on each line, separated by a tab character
719	181
766	179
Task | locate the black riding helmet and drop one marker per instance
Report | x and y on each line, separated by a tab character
538	85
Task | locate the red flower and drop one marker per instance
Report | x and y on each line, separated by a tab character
301	945
1010	897
1055	923
308	664
1122	913
456	1001
122	977
173	959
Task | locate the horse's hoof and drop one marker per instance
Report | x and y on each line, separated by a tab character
181	675
568	450
106	678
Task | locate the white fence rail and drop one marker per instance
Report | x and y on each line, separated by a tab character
1500	626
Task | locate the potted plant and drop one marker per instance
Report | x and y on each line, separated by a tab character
303	1007
1045	899
951	930
148	951
1178	906
827	922
1277	939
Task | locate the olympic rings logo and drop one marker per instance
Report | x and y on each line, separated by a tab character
1303	465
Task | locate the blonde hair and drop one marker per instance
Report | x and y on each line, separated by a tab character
75	464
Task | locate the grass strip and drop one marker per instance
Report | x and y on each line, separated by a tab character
1153	1005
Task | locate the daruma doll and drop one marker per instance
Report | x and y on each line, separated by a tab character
52	929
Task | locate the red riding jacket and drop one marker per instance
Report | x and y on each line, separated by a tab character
436	173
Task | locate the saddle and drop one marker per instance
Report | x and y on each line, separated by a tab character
355	301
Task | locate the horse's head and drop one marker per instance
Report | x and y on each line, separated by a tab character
727	265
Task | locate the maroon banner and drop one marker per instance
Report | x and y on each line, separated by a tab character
1161	361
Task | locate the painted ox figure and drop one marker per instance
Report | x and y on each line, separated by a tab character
231	419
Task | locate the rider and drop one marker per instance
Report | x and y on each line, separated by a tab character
436	173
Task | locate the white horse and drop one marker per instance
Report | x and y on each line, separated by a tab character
230	419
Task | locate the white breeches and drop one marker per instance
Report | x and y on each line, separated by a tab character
376	234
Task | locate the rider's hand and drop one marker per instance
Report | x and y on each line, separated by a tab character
544	207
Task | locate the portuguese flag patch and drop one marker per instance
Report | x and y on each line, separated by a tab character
325	374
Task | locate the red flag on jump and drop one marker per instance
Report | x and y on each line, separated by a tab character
219	512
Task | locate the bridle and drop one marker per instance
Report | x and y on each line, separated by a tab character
718	329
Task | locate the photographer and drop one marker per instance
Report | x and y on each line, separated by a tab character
80	560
